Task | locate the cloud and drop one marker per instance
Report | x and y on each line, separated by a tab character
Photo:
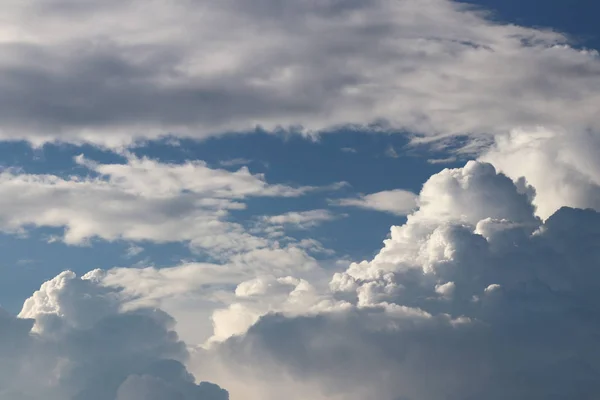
447	160
140	200
473	297
133	251
71	341
234	162
259	296
103	73
487	291
561	165
298	219
391	152
398	201
192	291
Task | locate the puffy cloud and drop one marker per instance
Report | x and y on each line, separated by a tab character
474	297
69	301
562	165
72	341
260	296
399	202
108	72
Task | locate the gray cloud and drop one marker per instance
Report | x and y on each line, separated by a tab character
108	72
71	342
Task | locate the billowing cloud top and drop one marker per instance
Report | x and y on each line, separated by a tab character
81	347
472	298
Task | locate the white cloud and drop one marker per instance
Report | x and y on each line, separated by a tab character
192	291
563	166
300	219
259	296
133	251
399	202
140	200
446	160
446	290
106	72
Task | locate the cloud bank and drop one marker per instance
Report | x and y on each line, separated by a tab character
473	297
109	72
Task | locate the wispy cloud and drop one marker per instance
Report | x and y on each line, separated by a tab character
398	202
391	152
141	200
234	162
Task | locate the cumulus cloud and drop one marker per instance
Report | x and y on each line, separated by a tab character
71	341
562	166
108	72
474	297
399	202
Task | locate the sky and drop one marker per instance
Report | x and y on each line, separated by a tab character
265	199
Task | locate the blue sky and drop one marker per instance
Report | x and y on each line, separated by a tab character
391	199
